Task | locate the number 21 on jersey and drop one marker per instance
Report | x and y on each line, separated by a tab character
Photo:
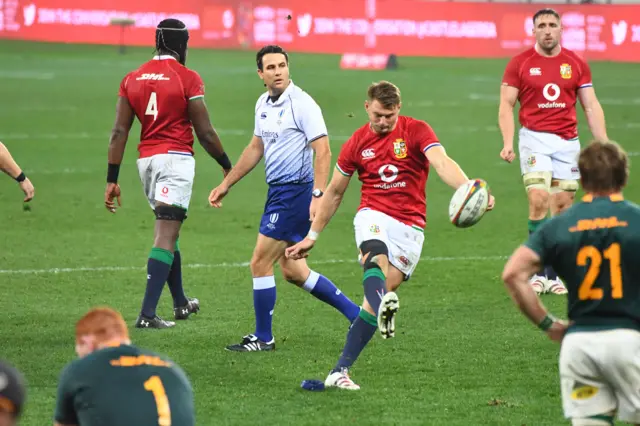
155	386
152	106
612	254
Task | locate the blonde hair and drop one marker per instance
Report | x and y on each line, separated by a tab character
604	167
387	93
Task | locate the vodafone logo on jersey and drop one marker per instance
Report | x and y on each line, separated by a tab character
388	174
551	93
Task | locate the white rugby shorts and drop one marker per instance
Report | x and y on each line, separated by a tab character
403	241
546	152
600	373
167	178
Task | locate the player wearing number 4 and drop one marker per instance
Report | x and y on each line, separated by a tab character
289	128
594	247
392	155
168	99
547	79
116	383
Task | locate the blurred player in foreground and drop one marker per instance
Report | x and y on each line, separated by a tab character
392	155
289	128
546	80
116	383
168	99
594	247
13	392
10	167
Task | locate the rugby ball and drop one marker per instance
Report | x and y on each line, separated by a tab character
469	203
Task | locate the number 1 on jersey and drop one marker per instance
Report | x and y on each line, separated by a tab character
152	106
612	254
154	385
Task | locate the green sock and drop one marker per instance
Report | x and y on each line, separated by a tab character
535	224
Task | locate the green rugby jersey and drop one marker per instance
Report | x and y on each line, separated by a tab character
124	386
595	248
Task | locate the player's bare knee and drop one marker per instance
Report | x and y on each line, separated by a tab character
168	222
375	254
538	203
563	193
295	276
260	266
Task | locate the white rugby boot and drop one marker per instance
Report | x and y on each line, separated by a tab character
387	314
555	287
538	283
340	379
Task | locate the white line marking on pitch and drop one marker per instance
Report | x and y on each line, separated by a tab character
222	265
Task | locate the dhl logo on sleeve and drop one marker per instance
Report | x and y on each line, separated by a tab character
598	223
135	361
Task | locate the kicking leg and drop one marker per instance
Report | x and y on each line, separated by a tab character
364	327
265	255
168	222
297	272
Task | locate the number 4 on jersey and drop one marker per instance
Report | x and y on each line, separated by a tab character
152	106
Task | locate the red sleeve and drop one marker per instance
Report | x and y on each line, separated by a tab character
424	135
123	86
195	86
347	161
511	75
585	75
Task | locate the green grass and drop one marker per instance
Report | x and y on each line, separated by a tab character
463	354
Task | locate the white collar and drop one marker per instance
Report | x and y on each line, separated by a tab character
283	95
161	57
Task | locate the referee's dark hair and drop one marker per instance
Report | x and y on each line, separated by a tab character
12	390
272	48
172	38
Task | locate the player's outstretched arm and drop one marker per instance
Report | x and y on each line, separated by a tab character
207	135
508	99
117	144
10	167
448	170
519	268
594	113
330	202
328	207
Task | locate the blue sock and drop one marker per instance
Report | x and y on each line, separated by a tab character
550	273
264	301
323	289
360	333
175	280
374	287
158	266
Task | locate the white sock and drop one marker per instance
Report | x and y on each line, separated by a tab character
311	281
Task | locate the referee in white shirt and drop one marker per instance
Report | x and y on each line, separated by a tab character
289	128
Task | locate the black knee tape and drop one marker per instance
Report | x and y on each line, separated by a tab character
371	249
170	213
